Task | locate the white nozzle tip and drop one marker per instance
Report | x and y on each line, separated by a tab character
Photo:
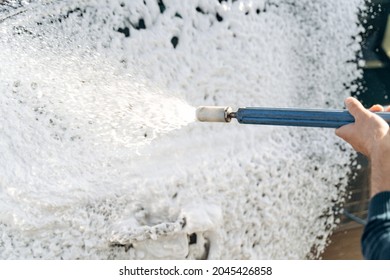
213	114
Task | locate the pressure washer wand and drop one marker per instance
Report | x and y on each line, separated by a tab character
280	116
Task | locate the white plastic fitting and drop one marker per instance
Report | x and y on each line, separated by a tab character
213	114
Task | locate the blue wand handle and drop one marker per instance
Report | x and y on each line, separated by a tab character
298	117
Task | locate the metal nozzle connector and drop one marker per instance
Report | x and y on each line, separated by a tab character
214	114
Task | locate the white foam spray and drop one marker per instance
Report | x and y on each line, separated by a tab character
98	155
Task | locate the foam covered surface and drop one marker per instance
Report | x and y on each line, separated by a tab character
99	154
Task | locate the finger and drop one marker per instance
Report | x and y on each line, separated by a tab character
348	134
355	108
387	109
345	131
377	108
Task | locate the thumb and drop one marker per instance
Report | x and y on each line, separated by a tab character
355	108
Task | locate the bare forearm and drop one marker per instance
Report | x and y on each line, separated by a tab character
380	169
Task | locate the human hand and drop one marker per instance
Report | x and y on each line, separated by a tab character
369	135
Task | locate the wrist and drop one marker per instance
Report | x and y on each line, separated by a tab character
380	167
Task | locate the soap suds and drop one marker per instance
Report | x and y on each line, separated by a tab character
101	158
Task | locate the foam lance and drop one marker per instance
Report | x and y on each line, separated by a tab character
280	116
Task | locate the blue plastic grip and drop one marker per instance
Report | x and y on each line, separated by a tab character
298	117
